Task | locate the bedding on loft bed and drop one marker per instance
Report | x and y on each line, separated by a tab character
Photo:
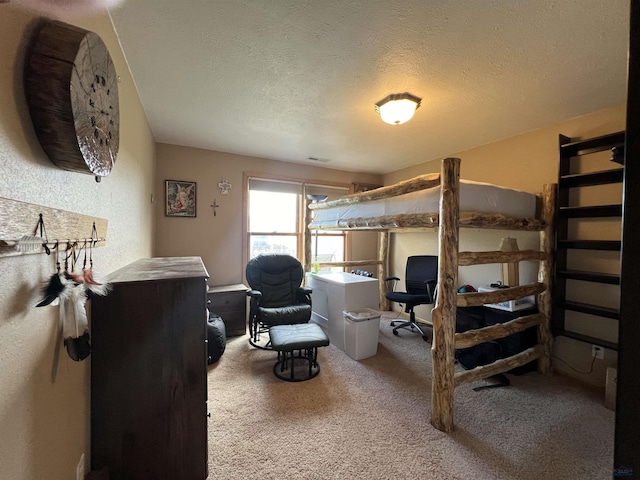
454	205
474	197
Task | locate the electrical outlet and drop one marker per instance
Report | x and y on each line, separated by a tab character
597	351
80	468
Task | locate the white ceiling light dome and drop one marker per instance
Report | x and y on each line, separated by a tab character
398	108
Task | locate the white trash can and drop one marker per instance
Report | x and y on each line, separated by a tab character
361	331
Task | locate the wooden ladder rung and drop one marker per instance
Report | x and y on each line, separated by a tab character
499	366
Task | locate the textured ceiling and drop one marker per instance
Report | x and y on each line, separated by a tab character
292	79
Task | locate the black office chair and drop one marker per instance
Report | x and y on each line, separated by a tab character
420	281
277	297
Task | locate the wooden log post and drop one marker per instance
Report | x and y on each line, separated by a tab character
383	268
545	338
444	313
308	214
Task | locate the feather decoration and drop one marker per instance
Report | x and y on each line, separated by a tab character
75	277
75	326
56	287
78	348
96	286
88	277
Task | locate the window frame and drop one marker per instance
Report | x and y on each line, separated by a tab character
303	230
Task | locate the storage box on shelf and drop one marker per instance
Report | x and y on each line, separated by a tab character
511	305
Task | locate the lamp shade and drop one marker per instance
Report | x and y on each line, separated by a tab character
510	270
397	108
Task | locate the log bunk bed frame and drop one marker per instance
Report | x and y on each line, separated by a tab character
448	221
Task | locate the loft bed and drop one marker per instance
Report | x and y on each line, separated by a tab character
448	217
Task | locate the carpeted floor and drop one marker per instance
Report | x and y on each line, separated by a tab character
369	419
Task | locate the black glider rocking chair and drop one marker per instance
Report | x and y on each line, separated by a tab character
277	297
420	281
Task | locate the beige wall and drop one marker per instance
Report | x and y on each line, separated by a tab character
525	162
218	240
44	395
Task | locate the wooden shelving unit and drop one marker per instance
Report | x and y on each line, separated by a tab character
567	180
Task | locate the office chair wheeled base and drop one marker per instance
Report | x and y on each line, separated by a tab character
397	324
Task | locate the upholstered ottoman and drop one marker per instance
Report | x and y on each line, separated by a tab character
303	338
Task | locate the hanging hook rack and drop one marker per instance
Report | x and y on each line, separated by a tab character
62	228
67	243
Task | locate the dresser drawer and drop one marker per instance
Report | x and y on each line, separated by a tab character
227	301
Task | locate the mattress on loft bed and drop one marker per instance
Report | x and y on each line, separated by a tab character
474	197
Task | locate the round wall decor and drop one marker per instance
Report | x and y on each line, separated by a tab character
72	92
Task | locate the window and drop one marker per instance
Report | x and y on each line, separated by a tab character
273	223
276	221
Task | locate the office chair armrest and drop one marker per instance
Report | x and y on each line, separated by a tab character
395	281
432	289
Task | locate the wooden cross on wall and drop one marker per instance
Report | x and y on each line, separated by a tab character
214	205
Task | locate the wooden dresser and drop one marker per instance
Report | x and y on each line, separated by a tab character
149	372
230	302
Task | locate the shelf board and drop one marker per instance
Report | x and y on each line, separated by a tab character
613	245
592	145
595	211
590	309
608	278
602	177
587	339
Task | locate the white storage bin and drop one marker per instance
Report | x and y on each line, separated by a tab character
511	305
361	331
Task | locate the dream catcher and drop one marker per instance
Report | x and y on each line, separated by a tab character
70	289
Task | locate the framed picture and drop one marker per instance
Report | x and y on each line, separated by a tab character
180	198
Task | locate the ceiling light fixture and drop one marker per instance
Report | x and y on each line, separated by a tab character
397	108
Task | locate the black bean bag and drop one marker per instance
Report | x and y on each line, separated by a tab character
216	338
